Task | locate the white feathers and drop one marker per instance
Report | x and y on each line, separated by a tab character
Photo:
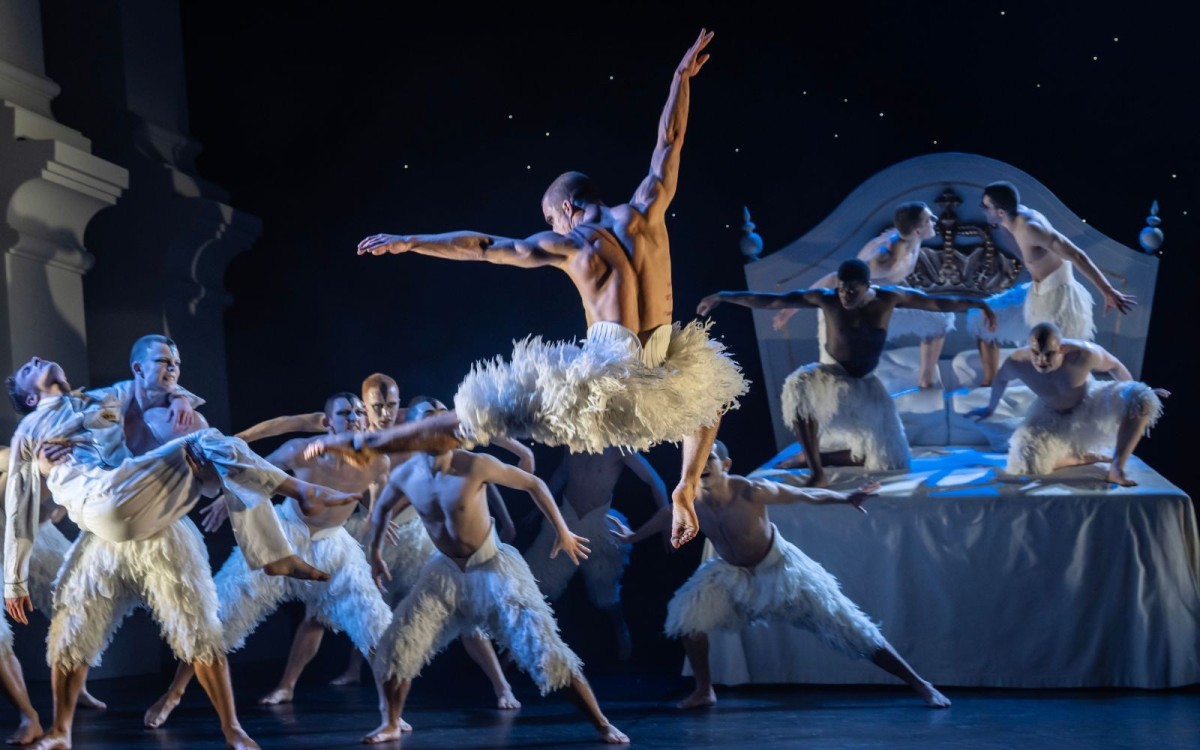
786	587
856	413
600	393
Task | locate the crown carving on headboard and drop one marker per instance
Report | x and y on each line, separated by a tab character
968	262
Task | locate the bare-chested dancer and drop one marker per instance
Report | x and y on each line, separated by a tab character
892	257
129	480
1054	296
472	581
1074	415
844	400
758	576
349	601
585	483
638	379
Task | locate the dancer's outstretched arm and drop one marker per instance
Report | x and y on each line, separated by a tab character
768	300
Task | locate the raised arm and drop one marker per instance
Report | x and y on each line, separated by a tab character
658	189
1057	243
769	492
766	300
488	469
919	300
517	448
311	423
289	454
542	249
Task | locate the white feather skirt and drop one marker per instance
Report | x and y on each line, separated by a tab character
922	324
493	591
1047	437
348	602
599	393
854	412
49	550
102	581
601	571
786	587
1009	308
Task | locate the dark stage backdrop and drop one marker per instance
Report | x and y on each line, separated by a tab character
332	122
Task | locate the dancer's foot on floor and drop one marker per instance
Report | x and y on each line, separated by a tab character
387	732
698	699
87	700
27	731
158	714
276	697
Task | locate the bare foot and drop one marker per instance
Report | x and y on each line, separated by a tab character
1117	476
294	567
157	714
276	696
613	736
237	739
699	698
27	731
387	732
55	740
506	701
314	498
932	697
925	384
91	701
818	480
349	677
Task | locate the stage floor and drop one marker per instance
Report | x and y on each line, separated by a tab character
812	717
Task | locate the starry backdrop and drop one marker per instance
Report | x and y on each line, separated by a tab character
335	122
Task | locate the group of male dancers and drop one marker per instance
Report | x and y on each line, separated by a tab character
129	462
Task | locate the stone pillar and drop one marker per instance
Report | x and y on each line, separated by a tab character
161	254
51	186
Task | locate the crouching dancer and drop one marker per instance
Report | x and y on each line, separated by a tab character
758	576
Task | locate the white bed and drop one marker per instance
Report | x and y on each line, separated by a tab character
979	578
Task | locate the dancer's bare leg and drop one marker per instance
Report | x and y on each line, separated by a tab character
989	360
481	652
1087	459
931	352
1129	434
313	498
828	458
887	659
807	433
214	678
158	713
392	695
293	567
696	648
304	647
13	681
353	673
65	685
580	693
696	447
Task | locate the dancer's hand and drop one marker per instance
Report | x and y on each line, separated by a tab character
1161	392
214	514
619	530
1114	299
780	321
572	545
858	496
708	303
381	244
379	570
692	60
51	454
180	413
202	468
391	533
17	607
684	523
980	414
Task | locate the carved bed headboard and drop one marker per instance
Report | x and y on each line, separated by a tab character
967	257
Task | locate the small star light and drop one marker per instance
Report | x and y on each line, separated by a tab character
835	135
736	150
510	117
803	93
1039	85
672	215
1001	12
547	133
1095	57
529	166
1115	39
935	143
610	78
1085	221
846	101
406	166
1174	176
881	114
